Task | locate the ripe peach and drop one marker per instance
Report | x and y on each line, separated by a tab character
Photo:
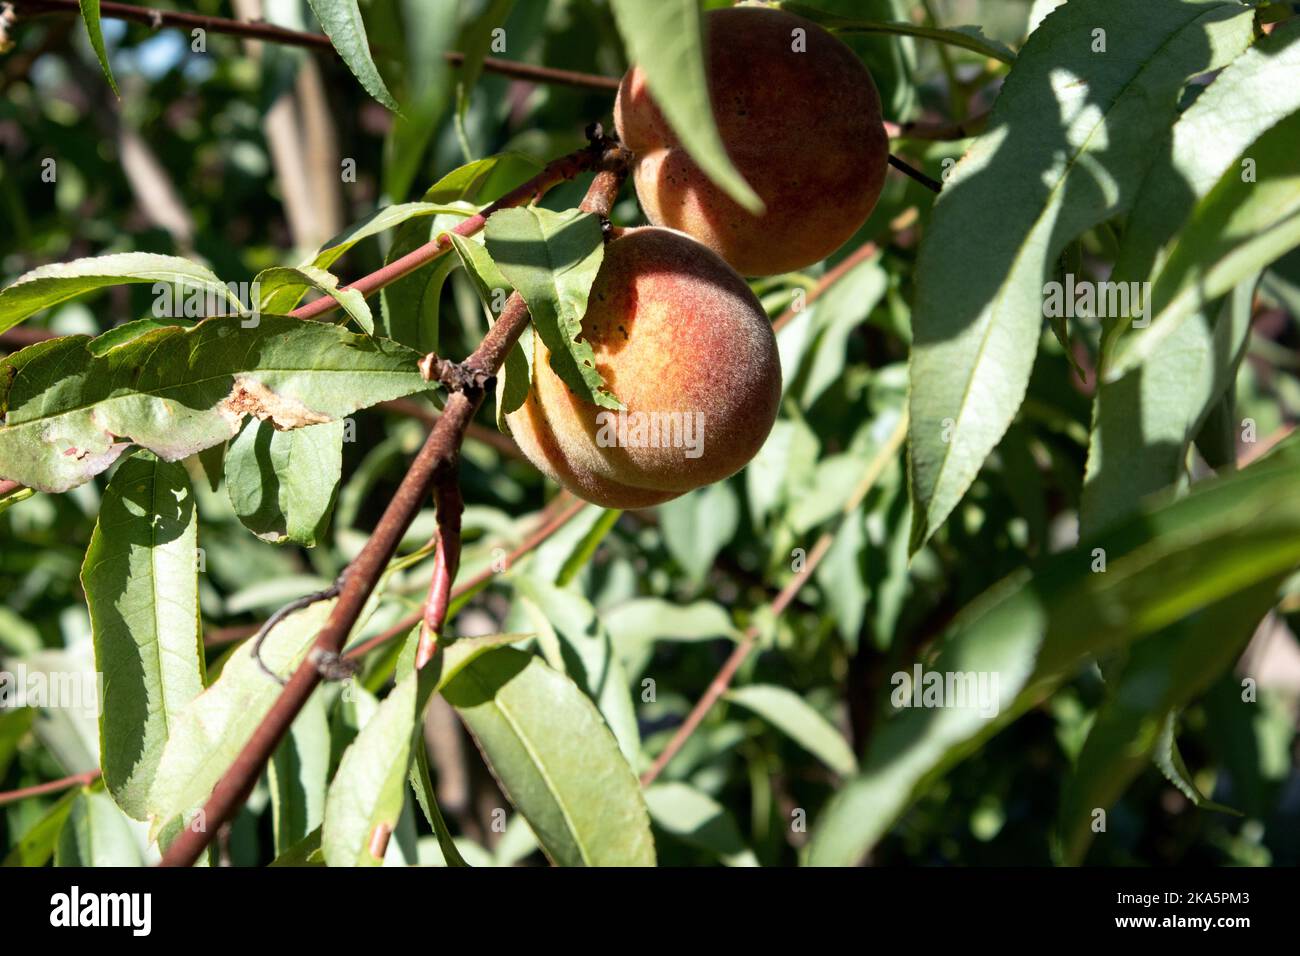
800	121
684	344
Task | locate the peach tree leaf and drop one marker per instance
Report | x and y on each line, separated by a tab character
551	259
94	29
280	288
555	759
666	40
282	483
49	285
141	581
208	735
1070	137
342	23
966	37
1241	225
70	413
1035	629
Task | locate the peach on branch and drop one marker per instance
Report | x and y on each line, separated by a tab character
799	116
683	343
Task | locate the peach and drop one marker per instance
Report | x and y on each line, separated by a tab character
682	341
799	116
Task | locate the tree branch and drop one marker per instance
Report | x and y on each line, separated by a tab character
54	786
432	465
271	33
718	686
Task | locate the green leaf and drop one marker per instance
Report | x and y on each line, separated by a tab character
698	525
342	23
282	484
389	217
968	38
96	834
369	788
306	852
587	655
1170	761
835	315
427	797
36	845
797	719
666	40
697	819
552	259
1144	423
1069	140
1240	227
141	581
90	13
298	775
1034	629
280	288
208	734
1163	673
49	285
555	759
475	43
176	391
516	375
1255	89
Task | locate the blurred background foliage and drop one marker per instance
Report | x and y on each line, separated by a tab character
238	155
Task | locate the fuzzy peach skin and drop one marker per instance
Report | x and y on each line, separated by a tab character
674	330
803	128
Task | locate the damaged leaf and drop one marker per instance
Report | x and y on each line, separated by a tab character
174	391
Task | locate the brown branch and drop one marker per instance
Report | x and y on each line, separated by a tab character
54	786
864	252
913	173
718	686
358	580
938	132
271	33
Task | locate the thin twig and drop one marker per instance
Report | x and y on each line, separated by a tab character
911	171
271	33
54	786
718	686
364	572
864	252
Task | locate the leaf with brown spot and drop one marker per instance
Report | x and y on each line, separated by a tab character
177	391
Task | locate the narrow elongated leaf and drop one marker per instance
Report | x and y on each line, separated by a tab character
1032	630
556	760
282	483
369	789
96	834
36	846
1170	761
697	819
281	287
208	734
389	217
298	774
665	39
796	718
427	797
94	29
552	259
968	38
49	285
177	392
588	655
698	525
1242	225
1162	675
141	581
1256	90
342	23
1070	137
475	42
1144	424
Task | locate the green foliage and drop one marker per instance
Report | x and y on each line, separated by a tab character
1084	519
